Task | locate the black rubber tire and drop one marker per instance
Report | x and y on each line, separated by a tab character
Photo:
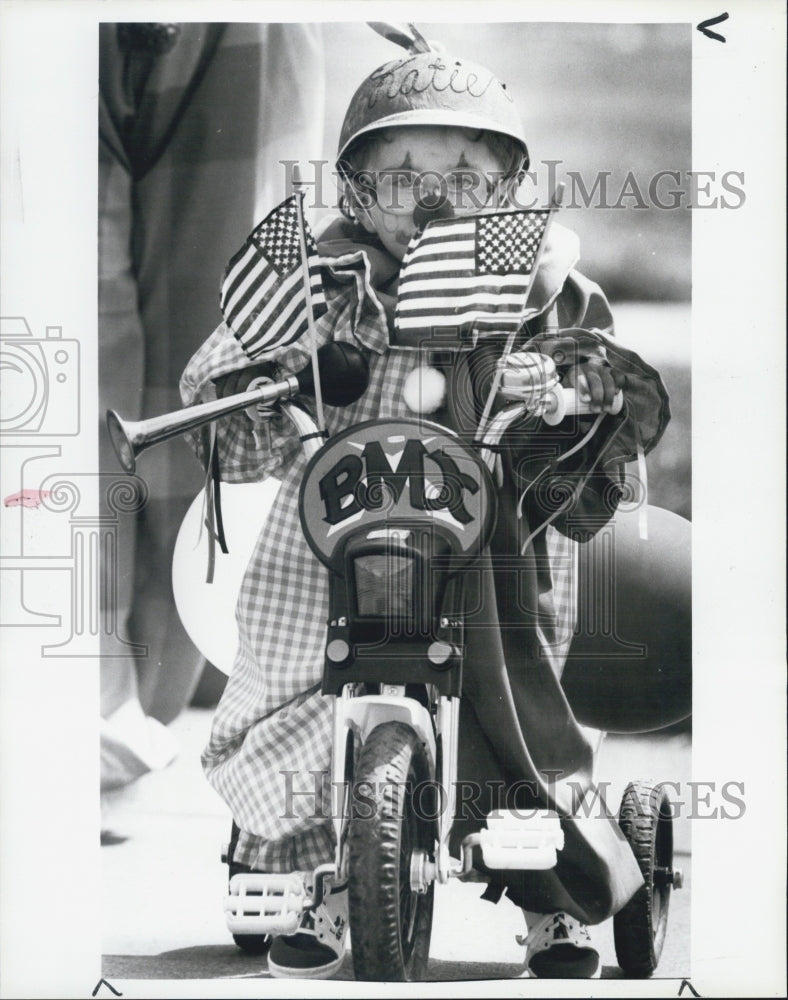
646	820
390	925
253	944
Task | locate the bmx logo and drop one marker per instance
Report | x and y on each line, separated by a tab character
376	481
382	474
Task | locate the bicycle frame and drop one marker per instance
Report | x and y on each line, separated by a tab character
411	495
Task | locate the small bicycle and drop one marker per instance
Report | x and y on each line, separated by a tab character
399	511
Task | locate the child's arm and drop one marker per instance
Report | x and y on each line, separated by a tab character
596	383
251	449
589	452
248	451
586	456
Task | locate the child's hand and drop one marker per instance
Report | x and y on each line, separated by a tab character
239	381
596	382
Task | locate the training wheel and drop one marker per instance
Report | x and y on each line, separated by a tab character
646	820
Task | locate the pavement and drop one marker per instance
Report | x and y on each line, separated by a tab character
162	883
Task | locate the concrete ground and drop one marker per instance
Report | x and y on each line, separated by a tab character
163	884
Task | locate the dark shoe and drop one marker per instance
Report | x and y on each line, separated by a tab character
317	950
253	944
302	956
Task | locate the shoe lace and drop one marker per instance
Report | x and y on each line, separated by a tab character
559	926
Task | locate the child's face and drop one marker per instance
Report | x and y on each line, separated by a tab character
431	153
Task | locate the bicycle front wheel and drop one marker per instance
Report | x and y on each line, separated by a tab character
390	923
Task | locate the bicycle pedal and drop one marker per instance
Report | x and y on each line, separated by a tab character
521	840
265	904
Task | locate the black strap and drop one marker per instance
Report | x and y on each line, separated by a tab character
496	448
216	496
213	507
235	833
493	892
314	434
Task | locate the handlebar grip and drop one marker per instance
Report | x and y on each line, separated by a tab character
563	402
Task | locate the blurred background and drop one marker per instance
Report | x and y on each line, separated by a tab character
196	121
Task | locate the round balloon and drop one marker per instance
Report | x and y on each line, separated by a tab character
629	668
207	610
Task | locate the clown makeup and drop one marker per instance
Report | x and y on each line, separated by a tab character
412	175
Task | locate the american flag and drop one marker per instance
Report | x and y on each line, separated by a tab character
469	274
263	299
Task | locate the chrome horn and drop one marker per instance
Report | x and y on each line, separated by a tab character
344	376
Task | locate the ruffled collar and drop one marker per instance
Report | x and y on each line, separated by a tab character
338	237
344	246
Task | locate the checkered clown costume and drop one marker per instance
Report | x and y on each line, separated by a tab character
271	736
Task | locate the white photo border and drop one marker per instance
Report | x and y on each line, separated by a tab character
49	846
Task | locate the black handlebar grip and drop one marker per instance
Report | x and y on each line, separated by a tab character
344	374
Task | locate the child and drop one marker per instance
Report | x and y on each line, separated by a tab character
417	126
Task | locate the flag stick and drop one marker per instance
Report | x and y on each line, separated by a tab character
321	422
555	203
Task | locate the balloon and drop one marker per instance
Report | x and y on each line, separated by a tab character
629	667
207	610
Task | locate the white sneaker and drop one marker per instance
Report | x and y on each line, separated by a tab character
559	947
317	949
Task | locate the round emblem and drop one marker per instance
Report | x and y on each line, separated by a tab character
396	474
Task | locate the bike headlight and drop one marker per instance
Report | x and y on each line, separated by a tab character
384	585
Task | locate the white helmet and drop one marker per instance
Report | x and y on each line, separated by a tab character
427	87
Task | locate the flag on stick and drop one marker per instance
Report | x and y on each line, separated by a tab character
263	296
470	274
310	309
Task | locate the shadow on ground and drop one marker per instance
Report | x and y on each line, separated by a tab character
226	962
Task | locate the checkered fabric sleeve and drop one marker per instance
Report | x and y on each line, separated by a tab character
272	727
246	454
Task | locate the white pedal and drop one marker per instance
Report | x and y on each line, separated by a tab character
265	904
521	840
